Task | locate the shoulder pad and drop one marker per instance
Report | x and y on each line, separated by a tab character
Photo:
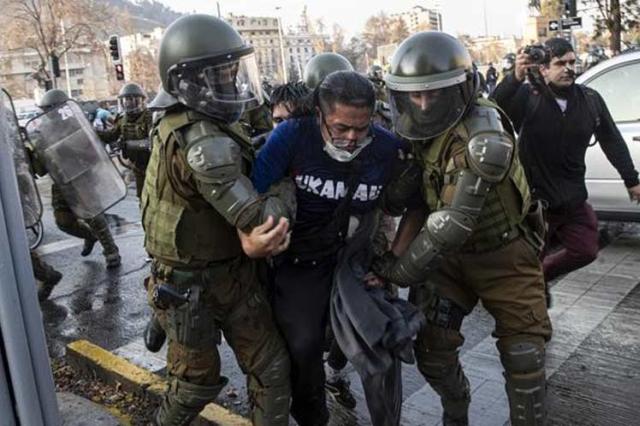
490	148
163	101
212	155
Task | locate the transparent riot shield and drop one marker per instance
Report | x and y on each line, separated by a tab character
29	196
76	160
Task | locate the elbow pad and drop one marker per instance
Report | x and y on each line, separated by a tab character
490	148
446	230
216	162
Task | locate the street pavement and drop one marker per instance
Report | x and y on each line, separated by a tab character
593	361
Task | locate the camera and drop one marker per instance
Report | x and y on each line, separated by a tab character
538	54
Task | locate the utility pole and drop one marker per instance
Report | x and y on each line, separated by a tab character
66	60
486	25
281	39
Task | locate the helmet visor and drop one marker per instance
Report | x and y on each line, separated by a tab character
223	90
130	103
427	113
507	64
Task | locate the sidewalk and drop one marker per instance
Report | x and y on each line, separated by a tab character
593	359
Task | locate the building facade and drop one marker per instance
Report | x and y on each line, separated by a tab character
420	18
87	76
263	33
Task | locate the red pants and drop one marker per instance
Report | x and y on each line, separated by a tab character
577	231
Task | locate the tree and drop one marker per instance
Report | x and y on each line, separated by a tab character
615	17
37	25
143	69
399	31
551	9
337	39
381	29
356	52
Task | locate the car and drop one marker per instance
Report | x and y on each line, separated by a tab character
618	82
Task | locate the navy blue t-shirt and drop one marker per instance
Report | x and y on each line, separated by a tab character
295	148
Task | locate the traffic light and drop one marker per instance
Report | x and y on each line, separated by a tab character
114	49
55	65
119	72
570	8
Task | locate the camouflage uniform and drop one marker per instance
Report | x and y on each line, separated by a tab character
480	241
497	265
132	127
257	121
212	265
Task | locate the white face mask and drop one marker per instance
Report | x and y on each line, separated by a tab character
342	155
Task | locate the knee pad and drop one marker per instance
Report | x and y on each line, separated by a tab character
183	401
276	373
64	219
522	357
270	391
523	361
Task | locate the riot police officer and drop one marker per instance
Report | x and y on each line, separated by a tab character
195	200
476	243
508	64
375	75
131	130
46	276
91	230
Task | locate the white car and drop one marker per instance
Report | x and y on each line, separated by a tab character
618	82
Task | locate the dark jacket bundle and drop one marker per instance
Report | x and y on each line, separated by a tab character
374	329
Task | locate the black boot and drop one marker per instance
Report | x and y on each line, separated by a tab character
87	248
100	228
45	274
53	278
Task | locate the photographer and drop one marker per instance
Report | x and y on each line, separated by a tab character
556	119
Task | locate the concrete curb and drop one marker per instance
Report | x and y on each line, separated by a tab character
93	361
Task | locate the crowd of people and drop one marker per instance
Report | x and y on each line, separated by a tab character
248	225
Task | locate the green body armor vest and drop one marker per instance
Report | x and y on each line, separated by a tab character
506	205
136	128
181	228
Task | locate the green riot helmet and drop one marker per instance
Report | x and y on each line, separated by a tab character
322	65
131	98
431	83
207	66
52	98
508	63
375	73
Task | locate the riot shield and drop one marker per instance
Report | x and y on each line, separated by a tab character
29	196
76	160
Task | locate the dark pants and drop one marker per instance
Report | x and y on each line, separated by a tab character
301	303
576	230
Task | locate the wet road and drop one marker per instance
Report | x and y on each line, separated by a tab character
109	308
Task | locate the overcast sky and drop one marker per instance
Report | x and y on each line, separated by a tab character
504	17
